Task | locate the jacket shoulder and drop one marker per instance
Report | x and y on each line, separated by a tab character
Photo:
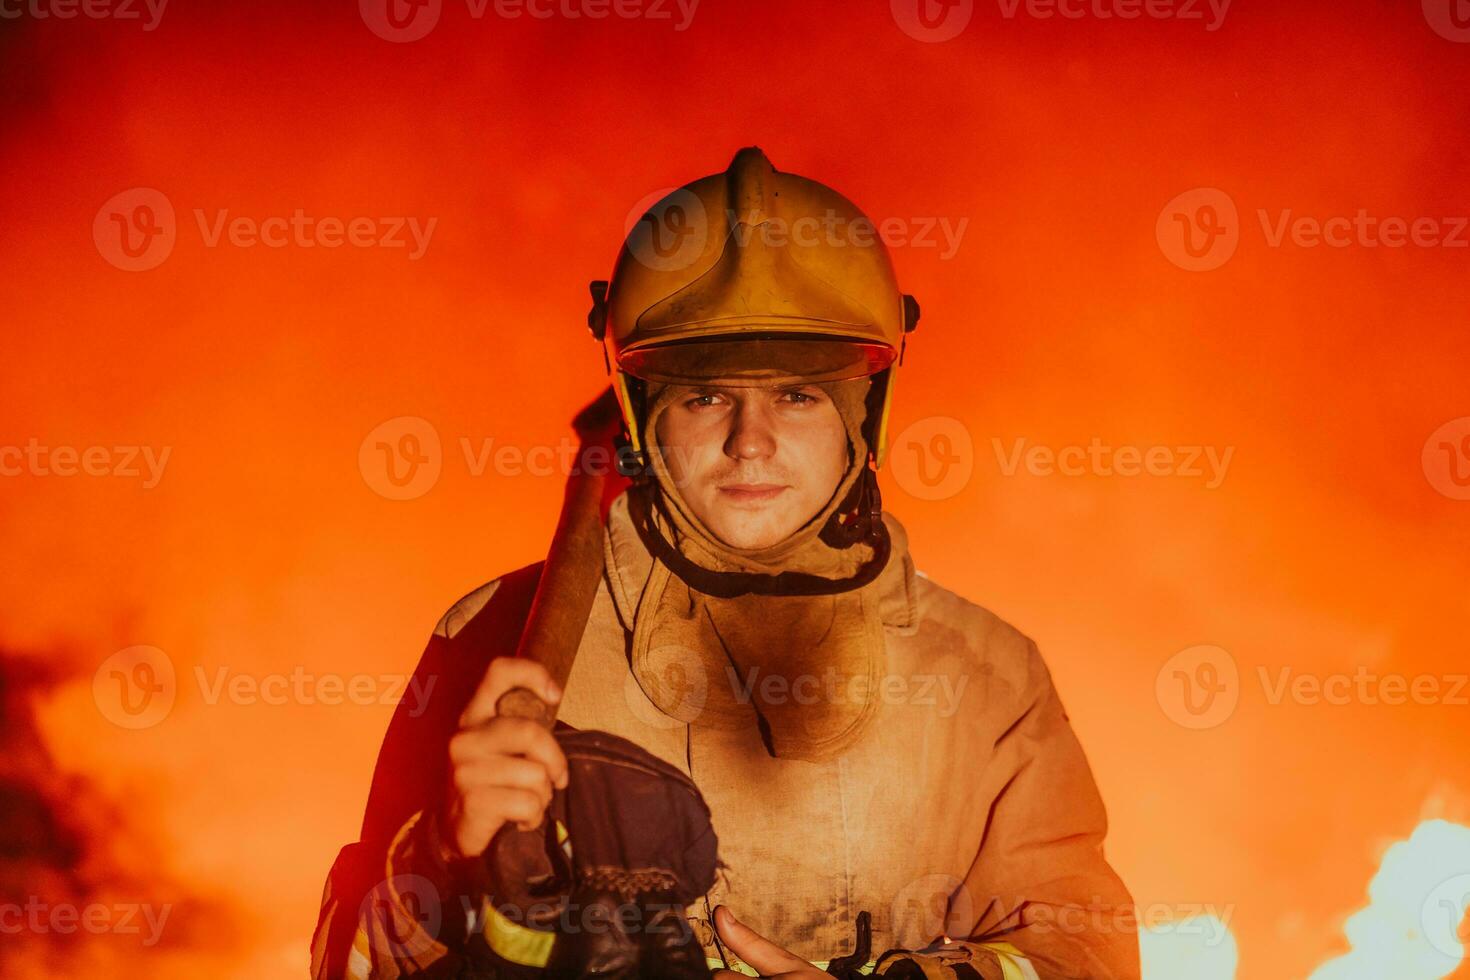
947	607
953	622
521	581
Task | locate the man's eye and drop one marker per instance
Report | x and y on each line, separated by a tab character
799	397
703	401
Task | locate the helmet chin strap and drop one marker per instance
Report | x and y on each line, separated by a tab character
858	520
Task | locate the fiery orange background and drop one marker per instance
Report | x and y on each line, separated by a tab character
1058	319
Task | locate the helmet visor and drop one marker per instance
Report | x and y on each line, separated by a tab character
757	359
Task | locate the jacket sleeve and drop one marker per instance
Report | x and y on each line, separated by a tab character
1040	887
410	920
392	906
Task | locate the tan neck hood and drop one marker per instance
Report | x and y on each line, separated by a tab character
804	669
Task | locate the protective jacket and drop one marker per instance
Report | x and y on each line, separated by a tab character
965	820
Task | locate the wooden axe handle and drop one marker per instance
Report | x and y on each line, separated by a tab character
574	564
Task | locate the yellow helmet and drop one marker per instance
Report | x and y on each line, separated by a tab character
755	276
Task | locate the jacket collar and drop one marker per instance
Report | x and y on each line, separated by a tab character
629	566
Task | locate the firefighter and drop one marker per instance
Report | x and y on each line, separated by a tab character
888	768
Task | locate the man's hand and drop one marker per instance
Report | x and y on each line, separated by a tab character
501	769
759	952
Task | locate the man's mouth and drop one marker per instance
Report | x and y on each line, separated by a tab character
752	493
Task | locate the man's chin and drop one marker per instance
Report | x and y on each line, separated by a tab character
749	531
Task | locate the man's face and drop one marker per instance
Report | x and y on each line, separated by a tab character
753	464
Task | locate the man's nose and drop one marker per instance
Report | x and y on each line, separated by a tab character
750	432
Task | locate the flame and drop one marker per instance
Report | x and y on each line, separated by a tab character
1411	928
1200	947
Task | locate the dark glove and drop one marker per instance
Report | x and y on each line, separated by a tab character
638	849
958	961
